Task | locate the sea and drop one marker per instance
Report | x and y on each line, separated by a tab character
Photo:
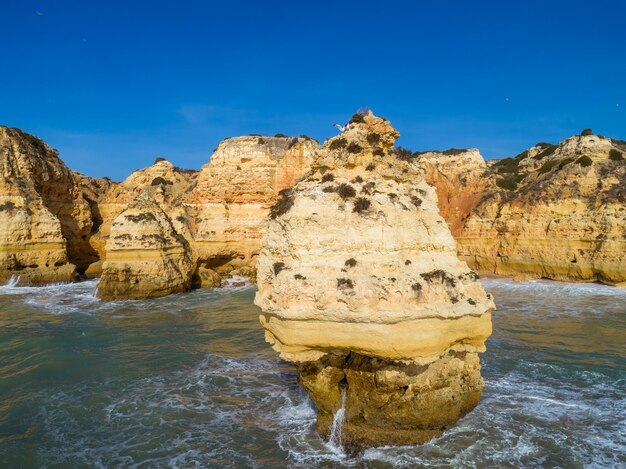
188	381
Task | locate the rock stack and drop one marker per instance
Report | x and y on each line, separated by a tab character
360	287
145	256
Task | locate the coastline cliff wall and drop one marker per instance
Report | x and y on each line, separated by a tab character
554	211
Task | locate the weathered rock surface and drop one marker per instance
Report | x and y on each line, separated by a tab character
228	207
555	212
145	256
360	287
459	178
45	218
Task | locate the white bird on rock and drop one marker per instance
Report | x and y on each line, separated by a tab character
340	127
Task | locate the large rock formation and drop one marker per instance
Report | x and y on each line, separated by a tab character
45	218
555	212
166	185
360	287
219	211
229	205
458	177
145	256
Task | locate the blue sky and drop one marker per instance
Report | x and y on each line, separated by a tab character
113	84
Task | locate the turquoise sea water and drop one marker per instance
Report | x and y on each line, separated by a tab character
188	381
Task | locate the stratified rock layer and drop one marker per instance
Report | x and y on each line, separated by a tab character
145	256
459	178
360	286
45	219
228	207
555	212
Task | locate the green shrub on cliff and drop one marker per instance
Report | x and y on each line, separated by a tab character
548	149
361	205
509	181
346	191
616	155
338	144
283	205
584	161
547	166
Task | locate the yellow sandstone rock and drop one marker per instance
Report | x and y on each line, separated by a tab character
555	212
360	286
145	256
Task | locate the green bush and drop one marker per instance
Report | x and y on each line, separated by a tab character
509	181
338	143
328	177
584	161
377	152
547	166
506	166
361	204
346	191
7	206
278	267
357	180
345	282
586	132
354	148
281	136
350	262
283	205
546	152
159	159
403	153
357	119
373	138
616	155
293	143
454	151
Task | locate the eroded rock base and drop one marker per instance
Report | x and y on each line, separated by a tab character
391	403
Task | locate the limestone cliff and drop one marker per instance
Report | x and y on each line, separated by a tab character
228	207
458	177
166	184
554	211
145	256
360	287
45	219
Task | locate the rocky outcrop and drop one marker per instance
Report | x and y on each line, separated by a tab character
458	177
228	207
166	185
46	219
554	211
218	212
360	287
145	256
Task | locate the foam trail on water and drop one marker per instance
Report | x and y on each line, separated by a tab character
336	429
13	281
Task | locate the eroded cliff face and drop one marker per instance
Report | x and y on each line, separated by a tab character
228	207
219	211
45	218
555	212
360	286
459	178
145	256
163	182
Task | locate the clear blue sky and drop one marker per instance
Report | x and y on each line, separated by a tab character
112	84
